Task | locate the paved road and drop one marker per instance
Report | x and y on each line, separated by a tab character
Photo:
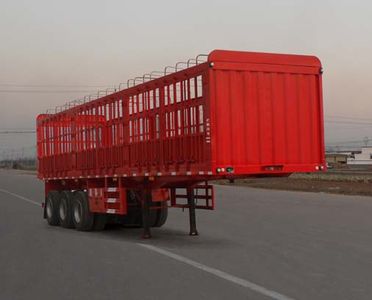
258	244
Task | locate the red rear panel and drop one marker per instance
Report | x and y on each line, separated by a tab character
266	113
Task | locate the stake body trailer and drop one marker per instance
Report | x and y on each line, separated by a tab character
129	155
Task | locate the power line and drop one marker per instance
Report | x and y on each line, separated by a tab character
346	142
45	91
348	122
348	117
16	131
53	85
16	128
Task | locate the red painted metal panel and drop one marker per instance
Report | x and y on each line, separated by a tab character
203	193
160	195
267	113
104	200
239	114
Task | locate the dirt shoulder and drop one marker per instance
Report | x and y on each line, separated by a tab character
333	182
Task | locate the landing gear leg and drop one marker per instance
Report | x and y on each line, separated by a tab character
191	204
146	195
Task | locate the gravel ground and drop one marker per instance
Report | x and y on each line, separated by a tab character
347	183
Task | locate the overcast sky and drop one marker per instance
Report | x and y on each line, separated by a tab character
101	43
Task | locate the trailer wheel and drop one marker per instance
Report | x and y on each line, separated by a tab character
133	218
65	210
99	222
82	217
51	208
158	217
161	215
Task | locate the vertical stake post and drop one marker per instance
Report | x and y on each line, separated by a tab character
192	216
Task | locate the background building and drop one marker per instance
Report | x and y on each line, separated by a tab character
334	158
362	158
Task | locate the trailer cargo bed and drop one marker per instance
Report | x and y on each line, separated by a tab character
238	113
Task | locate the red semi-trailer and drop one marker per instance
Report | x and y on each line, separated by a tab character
127	155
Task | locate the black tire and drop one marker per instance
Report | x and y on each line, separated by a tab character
51	208
158	217
161	215
99	222
65	210
82	217
133	218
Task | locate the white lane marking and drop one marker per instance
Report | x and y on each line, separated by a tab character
242	282
20	197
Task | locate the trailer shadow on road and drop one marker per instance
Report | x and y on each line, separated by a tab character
161	237
165	236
